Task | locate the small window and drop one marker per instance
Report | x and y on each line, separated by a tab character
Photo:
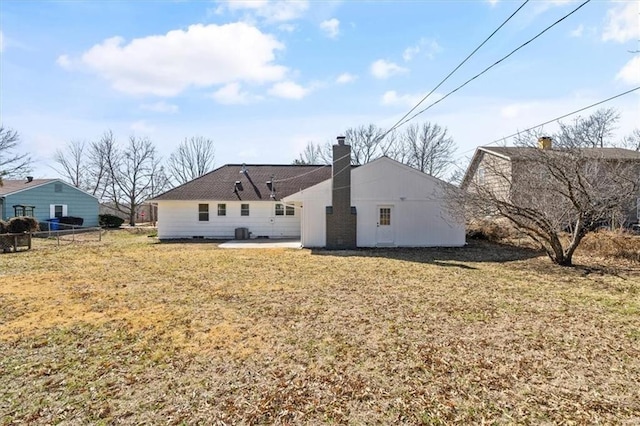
244	209
291	211
480	176
279	210
203	212
222	209
57	187
57	210
385	216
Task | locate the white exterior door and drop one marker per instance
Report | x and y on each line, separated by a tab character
385	224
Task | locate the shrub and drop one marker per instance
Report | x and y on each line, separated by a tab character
3	227
72	220
110	221
21	224
489	230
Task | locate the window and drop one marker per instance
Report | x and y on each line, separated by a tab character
281	210
480	176
203	212
57	187
385	216
57	210
222	209
244	209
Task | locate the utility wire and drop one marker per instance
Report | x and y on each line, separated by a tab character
489	67
460	157
399	122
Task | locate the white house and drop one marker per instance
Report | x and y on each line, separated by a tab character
382	203
392	204
237	196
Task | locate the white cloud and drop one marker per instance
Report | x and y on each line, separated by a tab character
272	11
331	27
232	94
384	69
142	127
392	98
428	47
287	28
161	106
201	56
630	73
64	62
493	2
288	90
577	32
345	78
1	42
622	22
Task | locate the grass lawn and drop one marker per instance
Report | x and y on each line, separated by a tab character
131	331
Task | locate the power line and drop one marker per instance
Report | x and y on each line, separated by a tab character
550	121
398	123
491	66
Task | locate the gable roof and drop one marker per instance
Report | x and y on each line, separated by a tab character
220	183
372	165
11	186
515	153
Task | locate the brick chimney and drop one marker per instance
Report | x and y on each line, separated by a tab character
545	142
340	216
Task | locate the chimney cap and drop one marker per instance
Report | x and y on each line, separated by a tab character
340	140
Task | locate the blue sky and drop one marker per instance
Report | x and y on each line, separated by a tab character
262	78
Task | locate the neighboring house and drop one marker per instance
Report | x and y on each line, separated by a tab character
46	199
237	196
505	170
385	203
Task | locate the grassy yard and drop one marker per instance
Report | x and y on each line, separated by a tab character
130	331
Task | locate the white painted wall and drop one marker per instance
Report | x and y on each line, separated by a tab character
179	219
419	218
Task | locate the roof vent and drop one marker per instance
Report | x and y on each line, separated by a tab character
29	179
244	169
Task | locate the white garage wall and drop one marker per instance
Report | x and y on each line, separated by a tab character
179	219
419	217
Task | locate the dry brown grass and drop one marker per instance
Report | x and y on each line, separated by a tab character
129	331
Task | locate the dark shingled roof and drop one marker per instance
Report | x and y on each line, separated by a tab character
9	186
515	153
220	183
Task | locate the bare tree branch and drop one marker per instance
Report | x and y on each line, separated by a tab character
11	163
193	158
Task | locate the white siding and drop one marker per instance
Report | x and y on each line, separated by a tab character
179	219
419	217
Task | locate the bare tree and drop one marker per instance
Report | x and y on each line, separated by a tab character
314	153
72	164
367	143
632	141
428	148
594	131
12	163
548	193
193	158
133	174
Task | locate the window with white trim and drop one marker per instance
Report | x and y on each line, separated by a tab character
57	210
279	210
222	209
244	209
290	211
203	212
